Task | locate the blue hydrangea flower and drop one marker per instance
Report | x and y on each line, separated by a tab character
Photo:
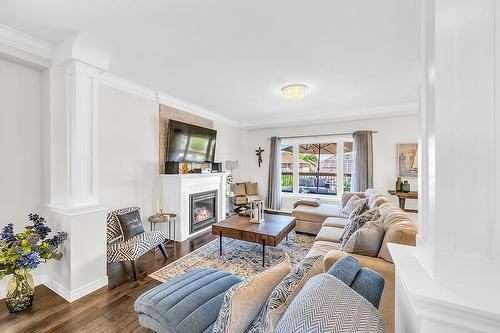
39	225
57	239
29	260
7	233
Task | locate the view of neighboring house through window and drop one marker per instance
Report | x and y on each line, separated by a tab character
313	168
348	160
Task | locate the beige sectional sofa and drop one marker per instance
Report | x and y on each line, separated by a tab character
398	226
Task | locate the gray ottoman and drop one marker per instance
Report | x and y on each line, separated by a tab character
188	303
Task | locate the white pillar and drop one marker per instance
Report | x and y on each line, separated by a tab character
81	94
75	206
449	282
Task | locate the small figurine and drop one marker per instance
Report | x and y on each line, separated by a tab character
259	154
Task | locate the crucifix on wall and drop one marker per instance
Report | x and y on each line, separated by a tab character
259	154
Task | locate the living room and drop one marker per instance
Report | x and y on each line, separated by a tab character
249	167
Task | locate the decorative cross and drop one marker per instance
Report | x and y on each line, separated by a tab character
259	154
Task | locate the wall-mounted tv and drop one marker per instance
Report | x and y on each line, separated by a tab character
190	143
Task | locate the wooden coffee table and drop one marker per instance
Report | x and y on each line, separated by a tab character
270	233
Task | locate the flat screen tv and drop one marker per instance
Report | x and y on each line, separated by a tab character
190	143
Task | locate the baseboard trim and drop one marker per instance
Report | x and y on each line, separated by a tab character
72	296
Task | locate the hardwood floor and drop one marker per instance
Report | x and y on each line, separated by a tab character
109	309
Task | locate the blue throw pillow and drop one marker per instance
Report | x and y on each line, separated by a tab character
345	269
370	285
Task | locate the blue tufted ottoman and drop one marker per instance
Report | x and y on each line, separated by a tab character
187	303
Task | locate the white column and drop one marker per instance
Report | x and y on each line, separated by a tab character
81	107
449	282
75	206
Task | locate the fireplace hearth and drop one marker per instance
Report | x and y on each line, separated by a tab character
202	209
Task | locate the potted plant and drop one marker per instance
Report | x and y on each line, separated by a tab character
22	252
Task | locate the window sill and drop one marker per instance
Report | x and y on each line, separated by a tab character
322	197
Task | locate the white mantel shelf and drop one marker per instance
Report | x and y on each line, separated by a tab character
194	175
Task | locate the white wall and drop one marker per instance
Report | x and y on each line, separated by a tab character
128	150
391	131
20	170
20	147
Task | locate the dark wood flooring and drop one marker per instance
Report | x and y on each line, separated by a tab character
109	309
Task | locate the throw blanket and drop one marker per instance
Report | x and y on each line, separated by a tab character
326	304
314	202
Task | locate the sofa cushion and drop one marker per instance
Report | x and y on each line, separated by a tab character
316	214
243	301
330	234
251	188
284	293
367	239
337	222
321	248
313	202
376	200
239	189
357	222
402	232
187	303
339	309
353	202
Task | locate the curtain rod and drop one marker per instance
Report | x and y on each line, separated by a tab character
308	136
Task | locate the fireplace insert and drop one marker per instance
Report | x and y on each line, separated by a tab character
203	210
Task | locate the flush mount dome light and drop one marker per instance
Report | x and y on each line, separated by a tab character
294	92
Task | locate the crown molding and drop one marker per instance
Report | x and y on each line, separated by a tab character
404	109
195	109
161	98
27	43
130	87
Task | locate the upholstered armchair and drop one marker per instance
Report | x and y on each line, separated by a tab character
135	247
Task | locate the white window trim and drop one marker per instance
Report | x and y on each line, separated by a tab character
295	142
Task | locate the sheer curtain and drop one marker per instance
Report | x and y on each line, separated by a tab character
362	178
274	181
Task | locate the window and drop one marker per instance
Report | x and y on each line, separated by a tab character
312	168
348	160
287	168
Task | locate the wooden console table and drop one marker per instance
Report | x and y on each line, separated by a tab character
402	199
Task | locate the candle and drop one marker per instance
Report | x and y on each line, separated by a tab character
161	206
157	206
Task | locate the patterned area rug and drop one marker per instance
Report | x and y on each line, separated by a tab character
238	257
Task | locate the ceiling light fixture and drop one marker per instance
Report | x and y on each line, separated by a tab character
294	92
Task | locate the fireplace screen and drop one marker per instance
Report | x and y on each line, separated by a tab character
203	210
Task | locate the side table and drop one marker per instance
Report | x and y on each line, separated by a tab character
169	218
402	199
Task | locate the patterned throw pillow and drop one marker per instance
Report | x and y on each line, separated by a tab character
130	224
352	204
243	301
284	293
326	304
357	222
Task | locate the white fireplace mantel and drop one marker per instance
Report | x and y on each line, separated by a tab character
176	189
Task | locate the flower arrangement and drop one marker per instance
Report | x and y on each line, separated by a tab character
24	251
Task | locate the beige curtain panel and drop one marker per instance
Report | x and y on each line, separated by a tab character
362	178
274	182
